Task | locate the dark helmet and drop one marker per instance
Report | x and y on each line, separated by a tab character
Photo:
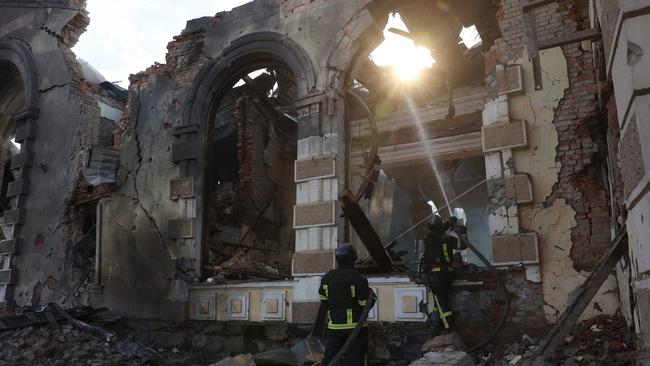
436	223
346	255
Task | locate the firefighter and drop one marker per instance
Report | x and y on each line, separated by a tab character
438	263
345	292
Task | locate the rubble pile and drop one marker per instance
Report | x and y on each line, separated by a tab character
444	350
601	340
63	346
224	206
246	263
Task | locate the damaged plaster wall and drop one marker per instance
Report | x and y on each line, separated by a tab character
139	246
563	156
559	278
135	248
537	108
553	224
66	106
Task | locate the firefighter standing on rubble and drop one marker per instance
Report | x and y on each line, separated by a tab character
345	292
438	263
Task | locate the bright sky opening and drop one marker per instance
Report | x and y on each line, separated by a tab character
401	53
470	37
127	36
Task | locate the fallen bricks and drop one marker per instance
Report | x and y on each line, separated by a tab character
44	346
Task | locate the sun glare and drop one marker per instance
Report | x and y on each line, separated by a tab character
402	54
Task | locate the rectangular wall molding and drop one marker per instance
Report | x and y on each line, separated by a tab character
314	168
313	263
180	229
503	136
513	249
314	214
182	187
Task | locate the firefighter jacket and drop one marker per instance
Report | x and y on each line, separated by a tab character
345	291
438	251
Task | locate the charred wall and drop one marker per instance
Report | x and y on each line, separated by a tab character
55	123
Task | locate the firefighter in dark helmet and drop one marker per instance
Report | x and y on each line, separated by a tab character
438	263
345	292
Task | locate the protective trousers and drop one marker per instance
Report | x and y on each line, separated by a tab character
357	354
440	286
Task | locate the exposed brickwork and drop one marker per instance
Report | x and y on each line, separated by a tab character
581	153
581	142
73	30
477	312
254	183
184	58
183	62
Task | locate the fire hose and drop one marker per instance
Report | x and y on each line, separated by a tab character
365	184
500	284
504	290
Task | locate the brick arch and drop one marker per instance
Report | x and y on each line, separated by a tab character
255	49
354	42
215	79
18	54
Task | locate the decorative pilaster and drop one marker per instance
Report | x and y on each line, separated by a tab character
506	188
18	190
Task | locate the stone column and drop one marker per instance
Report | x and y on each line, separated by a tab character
315	215
22	163
186	227
506	188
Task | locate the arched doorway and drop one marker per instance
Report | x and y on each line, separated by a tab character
18	110
212	101
12	101
250	192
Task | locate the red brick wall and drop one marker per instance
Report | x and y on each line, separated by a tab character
581	147
477	312
255	187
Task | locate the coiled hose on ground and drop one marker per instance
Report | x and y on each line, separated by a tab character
504	290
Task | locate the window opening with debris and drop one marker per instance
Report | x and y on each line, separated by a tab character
412	83
251	192
11	102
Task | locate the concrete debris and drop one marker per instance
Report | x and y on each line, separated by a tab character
239	360
602	340
454	358
244	264
444	343
64	346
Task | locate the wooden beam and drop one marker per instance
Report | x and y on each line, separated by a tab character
530	25
243	272
584	294
444	148
588	34
366	232
431	117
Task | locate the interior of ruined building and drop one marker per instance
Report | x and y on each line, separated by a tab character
251	149
12	102
190	217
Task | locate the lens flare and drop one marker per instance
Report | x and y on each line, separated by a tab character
402	54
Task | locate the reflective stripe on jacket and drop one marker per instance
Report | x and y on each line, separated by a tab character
345	291
438	251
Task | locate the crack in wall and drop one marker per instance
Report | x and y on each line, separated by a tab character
136	199
53	87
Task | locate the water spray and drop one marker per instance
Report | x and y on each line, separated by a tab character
427	147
